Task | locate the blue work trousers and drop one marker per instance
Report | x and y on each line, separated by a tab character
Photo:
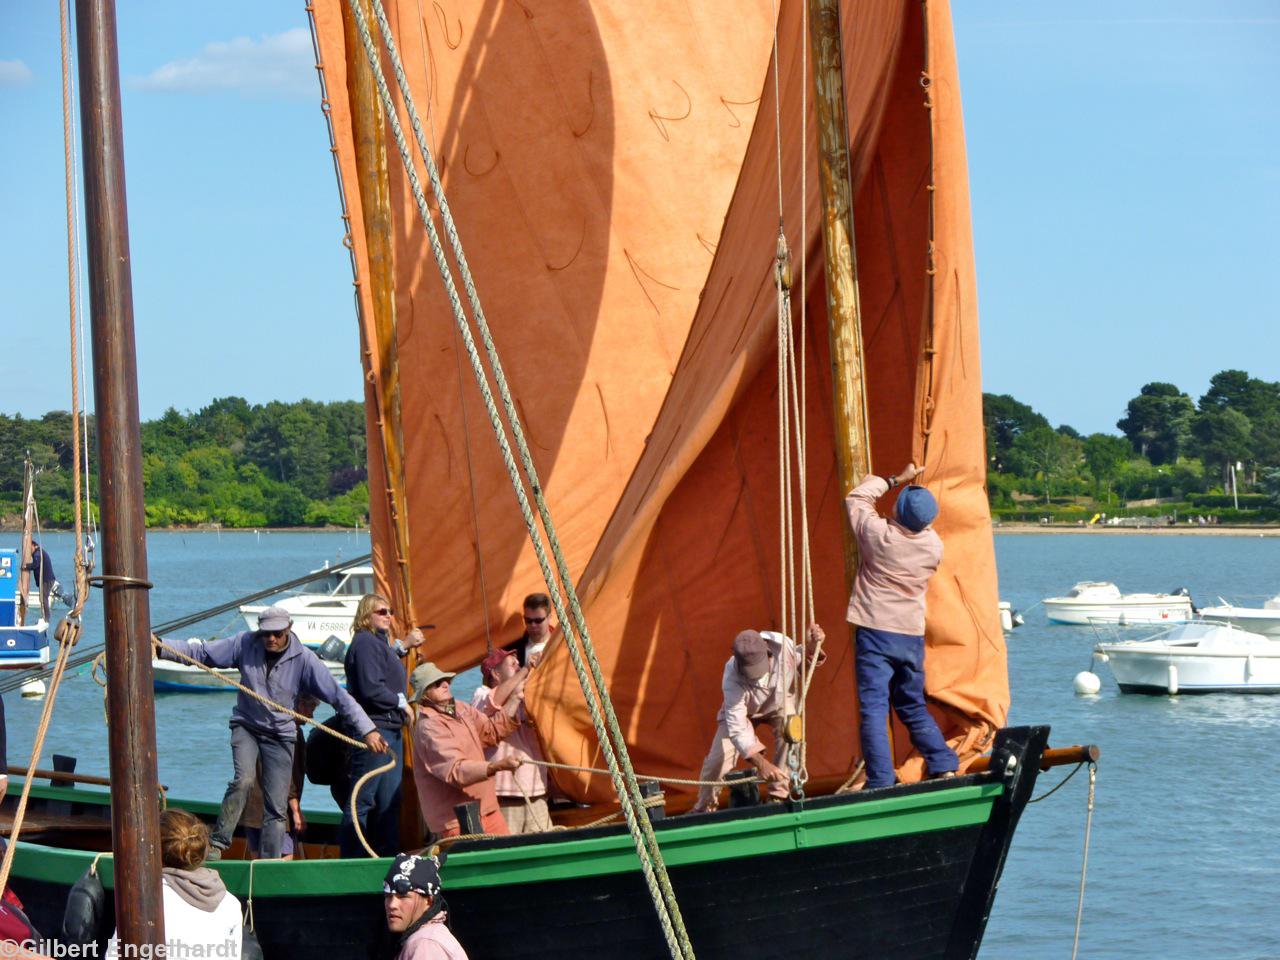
277	770
890	670
378	805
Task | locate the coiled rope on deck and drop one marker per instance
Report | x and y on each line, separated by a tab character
585	664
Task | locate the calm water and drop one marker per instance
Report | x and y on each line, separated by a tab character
1182	859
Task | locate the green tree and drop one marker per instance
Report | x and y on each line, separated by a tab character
1158	422
1236	390
1106	454
1222	437
1043	452
1005	419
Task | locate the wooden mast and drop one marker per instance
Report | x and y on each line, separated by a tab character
368	126
369	135
135	813
853	448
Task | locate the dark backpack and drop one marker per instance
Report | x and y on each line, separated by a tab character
328	758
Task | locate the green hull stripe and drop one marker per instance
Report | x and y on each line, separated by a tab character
567	859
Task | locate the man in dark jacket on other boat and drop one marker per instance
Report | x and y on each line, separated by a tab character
274	664
897	557
41	569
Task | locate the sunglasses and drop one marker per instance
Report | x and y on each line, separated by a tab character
534	621
384	611
401	887
275	633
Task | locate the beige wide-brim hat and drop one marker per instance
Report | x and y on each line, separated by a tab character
423	676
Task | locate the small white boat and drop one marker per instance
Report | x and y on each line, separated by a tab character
1264	620
1100	602
1196	657
325	610
174	677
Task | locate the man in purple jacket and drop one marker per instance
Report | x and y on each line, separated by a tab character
896	559
273	663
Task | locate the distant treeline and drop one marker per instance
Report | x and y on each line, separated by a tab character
1170	448
232	463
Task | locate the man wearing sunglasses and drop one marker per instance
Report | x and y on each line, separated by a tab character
416	911
537	630
274	664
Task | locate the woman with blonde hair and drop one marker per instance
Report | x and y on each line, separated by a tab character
200	917
377	680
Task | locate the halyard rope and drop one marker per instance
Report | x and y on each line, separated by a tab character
586	666
69	631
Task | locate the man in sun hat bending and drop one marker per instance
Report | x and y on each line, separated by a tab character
449	739
761	684
896	559
416	910
274	664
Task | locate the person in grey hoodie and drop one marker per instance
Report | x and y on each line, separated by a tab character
274	664
201	919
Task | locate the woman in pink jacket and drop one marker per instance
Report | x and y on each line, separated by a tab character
896	559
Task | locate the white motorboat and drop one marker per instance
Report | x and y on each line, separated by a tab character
1264	620
325	610
184	678
1100	602
1196	657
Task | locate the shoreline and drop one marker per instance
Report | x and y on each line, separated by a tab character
1180	530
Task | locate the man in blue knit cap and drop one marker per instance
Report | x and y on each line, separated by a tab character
896	559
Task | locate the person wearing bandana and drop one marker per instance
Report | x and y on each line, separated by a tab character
416	910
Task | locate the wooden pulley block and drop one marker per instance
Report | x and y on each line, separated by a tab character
793	729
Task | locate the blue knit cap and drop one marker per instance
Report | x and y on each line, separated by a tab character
916	508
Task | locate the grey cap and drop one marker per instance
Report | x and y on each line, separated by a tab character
274	618
751	654
423	676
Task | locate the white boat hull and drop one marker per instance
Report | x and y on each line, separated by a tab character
1255	620
313	626
185	678
1229	661
1164	610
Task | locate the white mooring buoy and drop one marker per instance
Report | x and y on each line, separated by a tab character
1087	683
33	689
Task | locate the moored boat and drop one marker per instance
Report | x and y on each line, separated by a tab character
171	677
1264	620
1102	602
1197	657
22	644
323	611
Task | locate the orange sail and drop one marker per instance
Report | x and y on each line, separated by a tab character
614	173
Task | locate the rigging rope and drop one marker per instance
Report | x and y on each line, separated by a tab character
69	630
298	717
9	684
795	612
585	664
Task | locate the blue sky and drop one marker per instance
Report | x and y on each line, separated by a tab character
1124	164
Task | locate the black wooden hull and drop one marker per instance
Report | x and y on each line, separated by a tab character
903	873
